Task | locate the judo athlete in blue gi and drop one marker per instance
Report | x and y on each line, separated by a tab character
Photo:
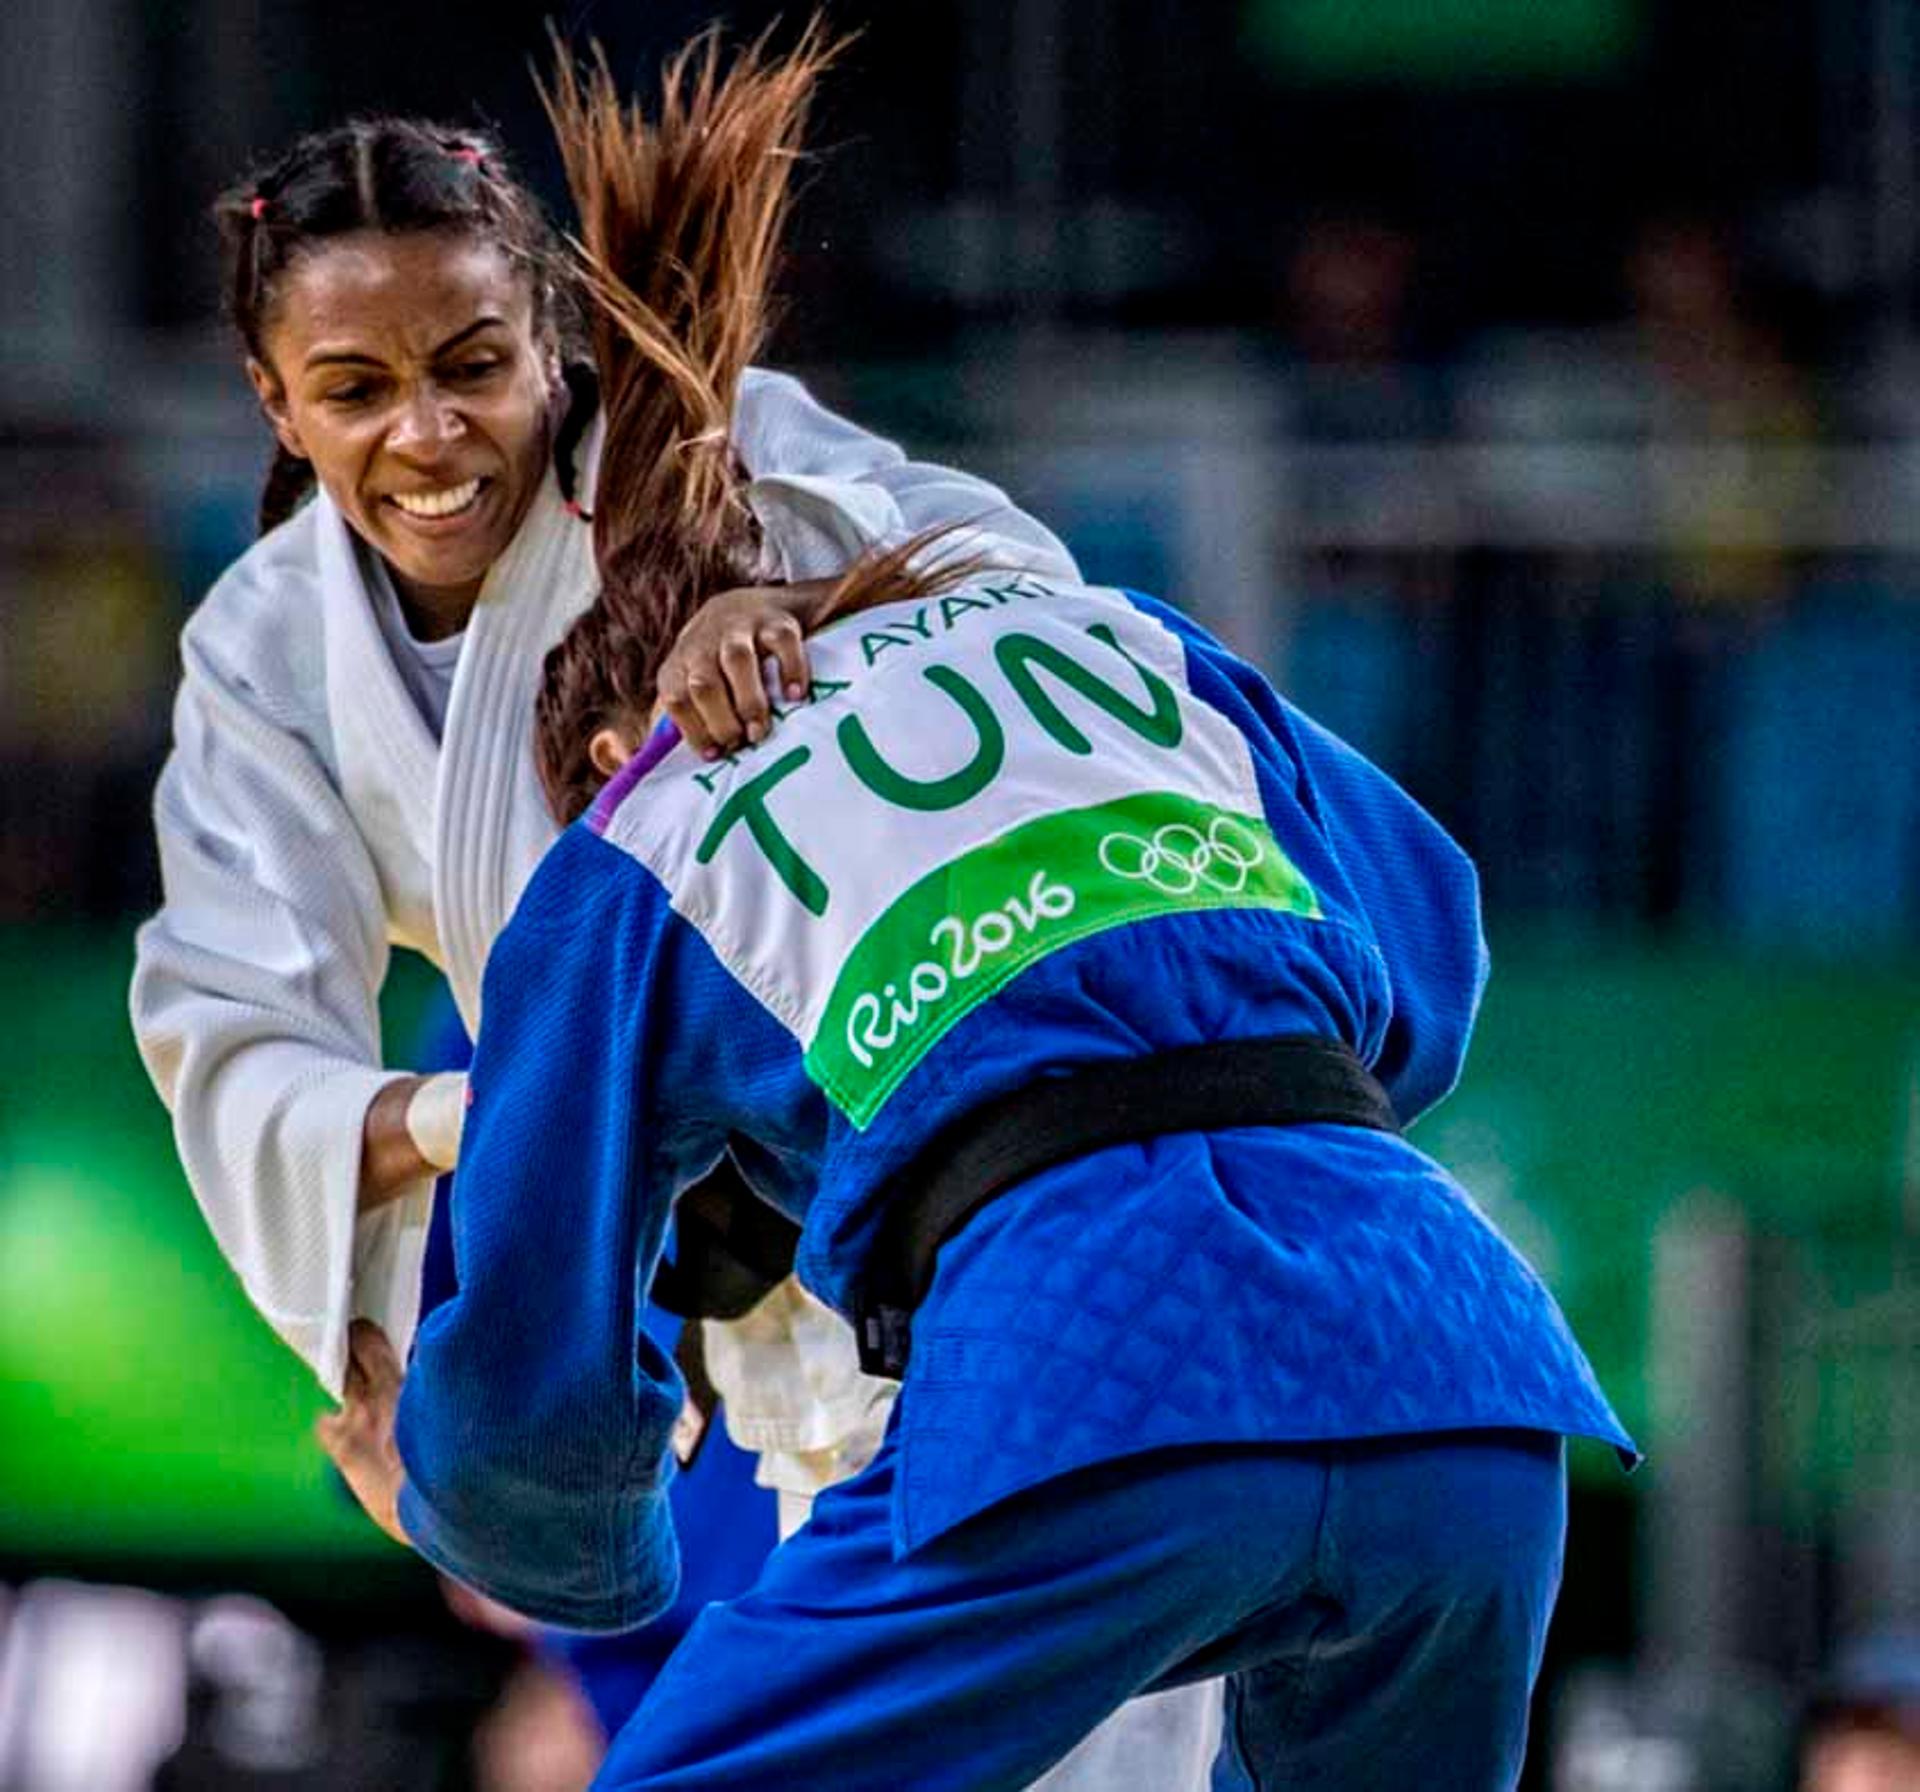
1267	1400
1067	988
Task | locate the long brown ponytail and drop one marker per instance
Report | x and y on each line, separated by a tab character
680	227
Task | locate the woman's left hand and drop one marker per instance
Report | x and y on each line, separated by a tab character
713	682
359	1437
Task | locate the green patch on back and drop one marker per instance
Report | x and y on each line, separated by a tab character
961	932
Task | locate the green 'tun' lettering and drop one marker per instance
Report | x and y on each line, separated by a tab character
930	794
749	804
1020	653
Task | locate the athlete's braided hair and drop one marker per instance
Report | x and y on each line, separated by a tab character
396	175
680	219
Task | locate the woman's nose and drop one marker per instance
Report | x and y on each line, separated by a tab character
427	423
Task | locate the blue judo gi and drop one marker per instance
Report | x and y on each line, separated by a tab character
1274	1403
726	1524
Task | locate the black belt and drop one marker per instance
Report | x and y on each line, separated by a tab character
730	1249
1289	1080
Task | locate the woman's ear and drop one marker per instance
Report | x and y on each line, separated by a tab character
546	345
608	750
272	394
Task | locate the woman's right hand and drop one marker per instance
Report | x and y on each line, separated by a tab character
713	682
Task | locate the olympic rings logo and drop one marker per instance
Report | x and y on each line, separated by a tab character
1178	859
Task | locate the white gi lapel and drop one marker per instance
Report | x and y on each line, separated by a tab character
386	752
491	825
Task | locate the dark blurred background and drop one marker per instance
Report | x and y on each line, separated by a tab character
1529	385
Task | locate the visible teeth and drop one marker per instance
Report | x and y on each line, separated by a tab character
443	503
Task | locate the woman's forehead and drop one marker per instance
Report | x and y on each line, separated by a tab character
396	293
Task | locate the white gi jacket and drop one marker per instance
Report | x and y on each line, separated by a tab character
309	822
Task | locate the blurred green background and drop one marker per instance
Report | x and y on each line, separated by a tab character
146	1410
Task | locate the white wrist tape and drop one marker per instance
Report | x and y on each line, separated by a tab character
436	1112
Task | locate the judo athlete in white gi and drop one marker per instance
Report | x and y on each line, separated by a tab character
351	767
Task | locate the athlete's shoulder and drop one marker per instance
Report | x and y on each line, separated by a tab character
585	905
259	633
583	872
277	579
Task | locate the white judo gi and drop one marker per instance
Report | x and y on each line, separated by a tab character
309	822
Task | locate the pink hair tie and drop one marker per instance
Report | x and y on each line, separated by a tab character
258	208
467	153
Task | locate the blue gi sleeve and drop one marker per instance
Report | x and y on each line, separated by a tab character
535	1419
1421	898
1410	886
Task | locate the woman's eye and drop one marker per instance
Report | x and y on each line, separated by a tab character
468	372
355	392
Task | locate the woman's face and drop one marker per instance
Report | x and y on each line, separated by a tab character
409	369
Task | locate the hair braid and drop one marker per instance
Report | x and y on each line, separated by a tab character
289	484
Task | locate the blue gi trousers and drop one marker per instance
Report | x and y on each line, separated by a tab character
1380	1607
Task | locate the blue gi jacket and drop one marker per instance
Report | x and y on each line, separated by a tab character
1019	827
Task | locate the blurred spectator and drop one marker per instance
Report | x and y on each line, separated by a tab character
540	1737
1354	374
1348	283
92	1688
1699	329
1863	1727
1718	377
1348	329
86	627
1720	392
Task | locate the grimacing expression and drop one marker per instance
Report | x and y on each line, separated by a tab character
409	368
